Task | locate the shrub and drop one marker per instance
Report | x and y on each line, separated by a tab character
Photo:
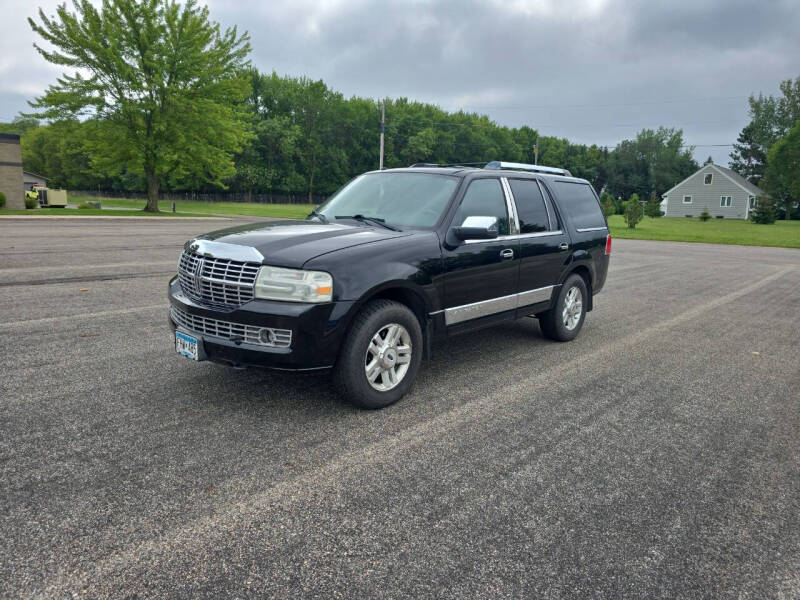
607	204
633	211
31	203
653	206
764	212
85	205
705	215
2	199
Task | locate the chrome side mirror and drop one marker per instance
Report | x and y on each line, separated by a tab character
477	228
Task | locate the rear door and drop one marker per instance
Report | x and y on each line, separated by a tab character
481	275
585	224
544	246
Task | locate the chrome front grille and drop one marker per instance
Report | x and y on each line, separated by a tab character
218	281
249	334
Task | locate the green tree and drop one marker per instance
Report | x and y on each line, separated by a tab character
607	204
633	211
782	177
165	86
653	162
749	158
653	206
20	125
764	211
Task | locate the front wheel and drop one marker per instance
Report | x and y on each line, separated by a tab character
563	322
380	356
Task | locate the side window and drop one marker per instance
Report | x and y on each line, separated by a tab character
530	206
484	198
578	201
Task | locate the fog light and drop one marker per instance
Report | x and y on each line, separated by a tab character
266	336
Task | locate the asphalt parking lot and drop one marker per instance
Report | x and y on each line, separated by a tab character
657	456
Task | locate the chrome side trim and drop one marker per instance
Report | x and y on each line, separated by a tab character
518	236
511	206
485	308
584	229
222	250
550	219
539	234
533	296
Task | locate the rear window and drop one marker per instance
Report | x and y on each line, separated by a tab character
579	202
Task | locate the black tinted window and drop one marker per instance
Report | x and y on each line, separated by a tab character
484	198
579	202
530	206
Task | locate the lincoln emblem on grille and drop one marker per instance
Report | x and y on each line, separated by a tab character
198	272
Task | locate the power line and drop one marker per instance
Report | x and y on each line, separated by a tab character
645	103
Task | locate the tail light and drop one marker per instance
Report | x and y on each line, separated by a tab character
608	244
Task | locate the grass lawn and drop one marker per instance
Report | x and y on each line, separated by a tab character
83	212
251	209
715	231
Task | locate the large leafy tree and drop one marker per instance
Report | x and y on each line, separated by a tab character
782	177
653	162
164	85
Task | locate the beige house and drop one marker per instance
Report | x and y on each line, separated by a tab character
11	179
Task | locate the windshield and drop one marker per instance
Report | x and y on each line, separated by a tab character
409	199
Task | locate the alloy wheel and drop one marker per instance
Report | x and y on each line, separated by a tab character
388	357
573	308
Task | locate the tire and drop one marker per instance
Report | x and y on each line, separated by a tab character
372	372
561	323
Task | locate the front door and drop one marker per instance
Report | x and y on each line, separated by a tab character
481	275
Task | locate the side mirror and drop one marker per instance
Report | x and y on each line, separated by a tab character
477	228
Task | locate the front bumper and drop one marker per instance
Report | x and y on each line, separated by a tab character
317	331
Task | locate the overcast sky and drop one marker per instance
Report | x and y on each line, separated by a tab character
594	71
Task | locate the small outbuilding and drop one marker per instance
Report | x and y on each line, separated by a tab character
724	193
32	179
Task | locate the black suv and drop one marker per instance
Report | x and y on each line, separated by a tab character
394	260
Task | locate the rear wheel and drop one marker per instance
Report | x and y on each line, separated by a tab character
563	322
381	355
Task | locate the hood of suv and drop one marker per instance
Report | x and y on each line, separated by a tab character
293	243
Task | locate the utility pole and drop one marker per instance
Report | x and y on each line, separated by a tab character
383	128
536	151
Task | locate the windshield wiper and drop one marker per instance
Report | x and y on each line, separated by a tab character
365	219
319	215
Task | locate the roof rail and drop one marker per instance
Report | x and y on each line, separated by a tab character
523	167
472	165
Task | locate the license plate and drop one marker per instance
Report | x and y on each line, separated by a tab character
186	345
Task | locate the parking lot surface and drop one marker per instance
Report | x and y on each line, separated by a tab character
656	456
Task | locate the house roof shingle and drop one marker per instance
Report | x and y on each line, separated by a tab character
751	187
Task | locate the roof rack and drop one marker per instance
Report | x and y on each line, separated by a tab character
496	164
476	165
523	167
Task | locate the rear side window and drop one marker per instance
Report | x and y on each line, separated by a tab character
530	206
579	202
484	198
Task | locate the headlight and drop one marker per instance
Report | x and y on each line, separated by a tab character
293	285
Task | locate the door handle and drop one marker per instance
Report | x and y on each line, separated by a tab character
563	246
507	253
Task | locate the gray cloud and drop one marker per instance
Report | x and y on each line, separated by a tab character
594	71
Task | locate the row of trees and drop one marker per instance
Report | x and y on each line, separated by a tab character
767	151
304	137
174	104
